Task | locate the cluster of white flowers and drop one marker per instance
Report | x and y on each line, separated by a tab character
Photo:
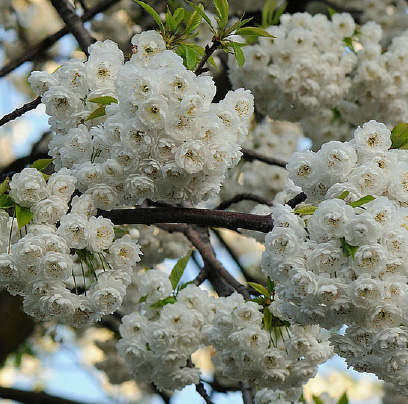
347	263
164	139
302	69
67	266
288	396
276	139
279	359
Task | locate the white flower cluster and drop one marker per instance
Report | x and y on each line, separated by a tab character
52	266
164	139
289	396
158	340
302	69
348	263
280	359
275	139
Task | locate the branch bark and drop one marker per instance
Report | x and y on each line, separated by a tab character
20	111
252	155
243	197
202	217
74	24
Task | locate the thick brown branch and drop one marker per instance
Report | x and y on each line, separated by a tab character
30	397
202	217
74	24
20	111
247	393
252	155
299	198
50	40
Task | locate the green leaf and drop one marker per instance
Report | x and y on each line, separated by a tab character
200	10
142	299
331	12
267	318
184	285
152	12
259	288
4	186
271	284
238	24
258	300
41	164
105	100
305	210
399	136
6	201
96	114
362	201
343	195
193	22
222	10
278	13
170	21
23	215
348	249
178	15
81	254
178	270
349	43
267	12
191	59
200	52
317	400
238	53
163	302
343	399
256	31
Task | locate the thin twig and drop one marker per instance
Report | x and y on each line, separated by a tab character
35	50
202	217
20	111
209	50
243	197
200	386
74	24
299	198
247	393
252	155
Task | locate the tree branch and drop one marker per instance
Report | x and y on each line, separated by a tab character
74	24
31	397
207	54
42	46
202	217
299	198
243	197
200	386
252	155
20	111
247	393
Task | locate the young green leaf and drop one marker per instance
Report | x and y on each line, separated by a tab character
259	288
267	12
6	201
142	299
152	12
200	52
4	186
178	270
348	249
97	113
222	10
41	164
105	100
255	31
271	284
317	400
267	318
171	24
193	22
331	12
200	10
349	43
238	53
191	59
362	201
178	16
237	25
343	399
305	210
399	136
163	302
278	13
343	195
23	215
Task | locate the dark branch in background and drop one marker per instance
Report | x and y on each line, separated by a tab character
50	40
243	197
353	11
252	155
247	393
202	217
200	387
207	54
20	111
299	198
74	24
31	397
